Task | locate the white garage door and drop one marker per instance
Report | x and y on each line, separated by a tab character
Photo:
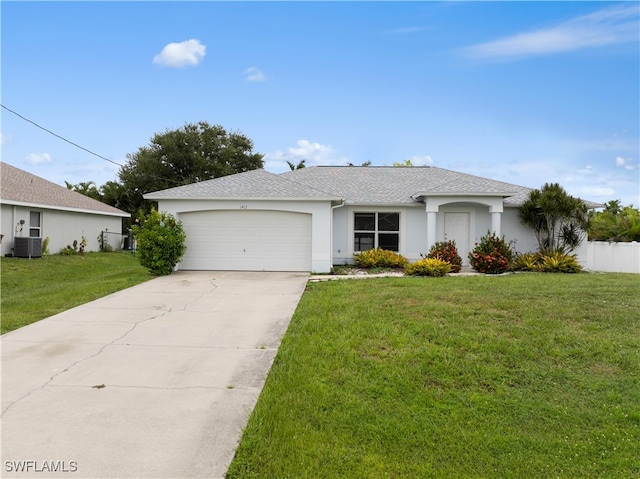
247	240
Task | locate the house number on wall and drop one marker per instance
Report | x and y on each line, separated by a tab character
243	207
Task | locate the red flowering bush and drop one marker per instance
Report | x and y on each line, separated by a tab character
446	251
492	255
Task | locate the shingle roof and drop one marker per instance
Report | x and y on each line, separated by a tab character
372	185
20	187
255	184
399	185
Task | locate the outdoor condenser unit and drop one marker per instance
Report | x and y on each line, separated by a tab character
27	247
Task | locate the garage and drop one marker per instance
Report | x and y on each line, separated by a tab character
247	240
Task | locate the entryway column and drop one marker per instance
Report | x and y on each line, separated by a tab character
495	222
431	228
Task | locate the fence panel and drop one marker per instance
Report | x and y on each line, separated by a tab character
110	241
613	257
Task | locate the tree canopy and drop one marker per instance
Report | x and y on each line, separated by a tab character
192	153
558	220
87	188
615	223
195	152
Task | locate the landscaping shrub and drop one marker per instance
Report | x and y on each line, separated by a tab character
160	240
492	255
446	251
75	249
554	262
527	262
559	262
380	258
428	267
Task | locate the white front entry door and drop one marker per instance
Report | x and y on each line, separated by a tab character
457	227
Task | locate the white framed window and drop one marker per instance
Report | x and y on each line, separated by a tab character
376	230
35	224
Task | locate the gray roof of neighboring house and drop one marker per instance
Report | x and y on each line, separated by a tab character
255	184
20	187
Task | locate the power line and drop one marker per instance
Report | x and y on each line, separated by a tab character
81	147
61	137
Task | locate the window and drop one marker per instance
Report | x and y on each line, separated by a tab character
34	224
376	230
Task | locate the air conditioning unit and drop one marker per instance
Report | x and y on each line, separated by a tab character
27	247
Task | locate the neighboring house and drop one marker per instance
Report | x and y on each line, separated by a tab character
312	218
32	207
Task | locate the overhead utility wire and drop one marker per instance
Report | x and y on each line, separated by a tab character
81	147
62	138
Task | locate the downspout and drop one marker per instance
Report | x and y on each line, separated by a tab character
343	202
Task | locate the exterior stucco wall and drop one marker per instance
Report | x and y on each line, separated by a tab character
341	239
416	241
61	227
332	244
513	229
6	228
320	220
413	227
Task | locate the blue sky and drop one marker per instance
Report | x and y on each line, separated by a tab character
523	92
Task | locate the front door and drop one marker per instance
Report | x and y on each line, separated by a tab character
457	227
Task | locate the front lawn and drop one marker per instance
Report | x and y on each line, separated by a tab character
517	376
33	289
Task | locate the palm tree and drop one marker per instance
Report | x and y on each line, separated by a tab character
298	166
558	220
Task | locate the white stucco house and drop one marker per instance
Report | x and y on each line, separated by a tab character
313	218
32	207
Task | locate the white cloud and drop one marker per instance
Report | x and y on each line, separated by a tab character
313	153
254	74
588	169
177	55
38	158
626	163
617	24
5	139
595	192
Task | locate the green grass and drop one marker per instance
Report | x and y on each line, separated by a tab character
517	376
33	289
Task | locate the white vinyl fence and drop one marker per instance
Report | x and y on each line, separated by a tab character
613	257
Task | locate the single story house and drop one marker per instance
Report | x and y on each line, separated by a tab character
312	218
34	209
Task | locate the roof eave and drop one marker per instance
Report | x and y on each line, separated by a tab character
241	198
121	214
501	194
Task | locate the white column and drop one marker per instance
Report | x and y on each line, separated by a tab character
495	222
431	229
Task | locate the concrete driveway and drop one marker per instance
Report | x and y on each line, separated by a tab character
154	381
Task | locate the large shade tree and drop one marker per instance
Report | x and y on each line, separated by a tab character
195	152
559	221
